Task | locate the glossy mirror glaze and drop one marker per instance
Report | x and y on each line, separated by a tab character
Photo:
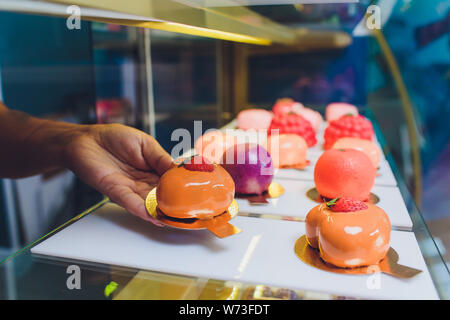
344	173
287	150
258	119
349	239
337	109
182	193
363	145
286	105
312	116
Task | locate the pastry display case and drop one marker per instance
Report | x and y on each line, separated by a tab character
162	66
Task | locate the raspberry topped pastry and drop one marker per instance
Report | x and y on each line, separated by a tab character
293	123
348	126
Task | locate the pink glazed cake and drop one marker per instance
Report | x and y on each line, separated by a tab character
213	144
312	116
258	119
336	110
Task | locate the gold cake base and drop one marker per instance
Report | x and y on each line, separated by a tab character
315	196
388	265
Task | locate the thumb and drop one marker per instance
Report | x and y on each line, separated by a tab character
155	156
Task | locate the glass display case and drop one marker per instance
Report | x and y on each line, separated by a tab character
161	65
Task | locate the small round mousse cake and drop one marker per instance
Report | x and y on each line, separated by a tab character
287	150
213	144
363	145
336	110
258	119
250	166
349	233
286	105
195	189
344	172
313	116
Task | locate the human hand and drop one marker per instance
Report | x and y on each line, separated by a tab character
121	162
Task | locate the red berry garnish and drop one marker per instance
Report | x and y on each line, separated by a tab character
197	163
346	205
348	125
296	124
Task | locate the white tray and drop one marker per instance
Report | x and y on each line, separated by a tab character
261	254
295	203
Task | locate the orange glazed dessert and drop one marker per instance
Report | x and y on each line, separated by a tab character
349	233
344	172
363	145
287	150
195	189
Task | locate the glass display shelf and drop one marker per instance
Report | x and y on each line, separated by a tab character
25	275
261	23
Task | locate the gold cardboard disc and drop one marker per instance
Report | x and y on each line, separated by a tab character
273	191
151	204
218	225
388	265
315	196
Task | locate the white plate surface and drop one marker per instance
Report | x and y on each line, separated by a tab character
261	254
